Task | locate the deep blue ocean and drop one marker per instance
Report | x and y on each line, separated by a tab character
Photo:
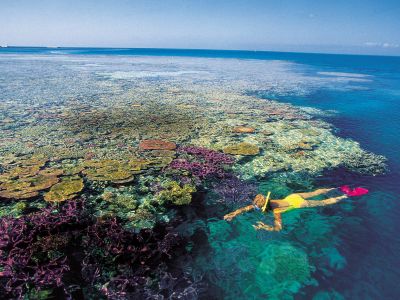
368	111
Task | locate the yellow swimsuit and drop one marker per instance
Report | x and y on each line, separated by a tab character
294	201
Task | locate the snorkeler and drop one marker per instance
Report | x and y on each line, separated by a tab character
293	201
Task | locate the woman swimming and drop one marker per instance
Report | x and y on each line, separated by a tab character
293	201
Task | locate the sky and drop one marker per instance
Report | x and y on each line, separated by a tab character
333	26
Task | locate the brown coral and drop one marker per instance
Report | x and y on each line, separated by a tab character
243	129
157	145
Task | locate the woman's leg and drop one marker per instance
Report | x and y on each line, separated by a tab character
314	203
315	193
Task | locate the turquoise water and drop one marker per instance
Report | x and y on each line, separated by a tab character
368	112
346	251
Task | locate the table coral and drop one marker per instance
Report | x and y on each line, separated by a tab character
242	149
243	129
107	170
156	145
67	189
26	187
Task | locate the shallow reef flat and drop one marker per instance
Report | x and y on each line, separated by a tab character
131	142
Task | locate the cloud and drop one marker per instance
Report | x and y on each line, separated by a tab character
382	45
387	45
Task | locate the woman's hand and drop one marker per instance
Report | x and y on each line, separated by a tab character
229	216
239	211
261	225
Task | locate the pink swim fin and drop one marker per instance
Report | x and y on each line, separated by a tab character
358	191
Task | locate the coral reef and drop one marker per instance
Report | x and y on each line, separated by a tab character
176	194
108	170
366	162
35	256
67	189
138	144
242	149
201	162
243	129
232	190
156	145
283	268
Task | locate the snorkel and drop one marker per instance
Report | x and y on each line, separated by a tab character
260	202
266	202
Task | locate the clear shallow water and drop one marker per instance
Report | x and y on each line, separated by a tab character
369	112
351	248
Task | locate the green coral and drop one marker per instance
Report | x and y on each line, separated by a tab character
15	209
141	218
284	262
126	201
117	203
176	194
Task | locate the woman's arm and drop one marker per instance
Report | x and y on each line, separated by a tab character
277	224
239	211
278	221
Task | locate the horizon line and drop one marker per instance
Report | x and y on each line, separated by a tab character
195	49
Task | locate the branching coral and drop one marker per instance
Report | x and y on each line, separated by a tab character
24	252
366	162
232	190
202	162
208	155
35	254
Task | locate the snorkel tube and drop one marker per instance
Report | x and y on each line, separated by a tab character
266	202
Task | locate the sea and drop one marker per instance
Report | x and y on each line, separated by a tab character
361	259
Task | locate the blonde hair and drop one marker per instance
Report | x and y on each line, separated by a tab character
259	201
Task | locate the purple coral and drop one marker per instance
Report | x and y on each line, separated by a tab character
210	156
204	162
24	245
232	190
46	249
